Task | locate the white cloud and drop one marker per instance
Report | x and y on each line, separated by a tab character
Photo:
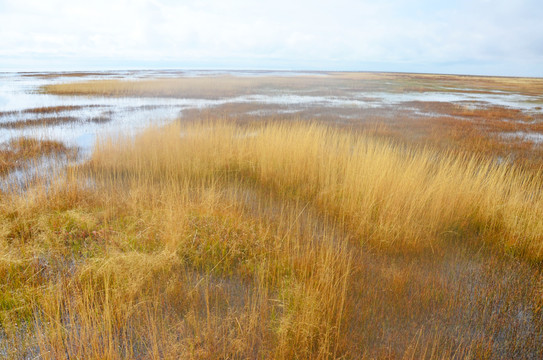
344	34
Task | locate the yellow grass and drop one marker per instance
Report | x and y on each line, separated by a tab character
384	193
212	240
186	87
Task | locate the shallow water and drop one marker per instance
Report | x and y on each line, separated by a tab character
536	138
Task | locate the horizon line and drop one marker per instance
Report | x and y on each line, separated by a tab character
106	70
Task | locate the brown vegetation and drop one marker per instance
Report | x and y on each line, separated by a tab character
46	110
443	82
471	130
55	109
64	74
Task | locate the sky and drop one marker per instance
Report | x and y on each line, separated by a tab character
485	37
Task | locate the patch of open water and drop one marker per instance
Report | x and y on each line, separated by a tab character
536	138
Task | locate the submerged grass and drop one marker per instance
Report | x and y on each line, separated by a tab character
18	151
281	240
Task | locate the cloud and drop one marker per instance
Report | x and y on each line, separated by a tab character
344	34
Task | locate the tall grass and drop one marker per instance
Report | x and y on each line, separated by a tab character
382	193
212	240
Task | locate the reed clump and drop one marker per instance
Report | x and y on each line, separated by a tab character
384	193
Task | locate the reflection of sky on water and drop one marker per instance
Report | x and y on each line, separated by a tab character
536	138
517	101
44	168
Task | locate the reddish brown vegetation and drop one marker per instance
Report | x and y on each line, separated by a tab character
48	121
47	110
63	74
53	109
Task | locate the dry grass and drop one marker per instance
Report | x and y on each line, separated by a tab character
350	176
213	240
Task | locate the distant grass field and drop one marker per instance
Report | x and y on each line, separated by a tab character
286	240
327	83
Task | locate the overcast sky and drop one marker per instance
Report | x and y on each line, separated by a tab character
490	37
